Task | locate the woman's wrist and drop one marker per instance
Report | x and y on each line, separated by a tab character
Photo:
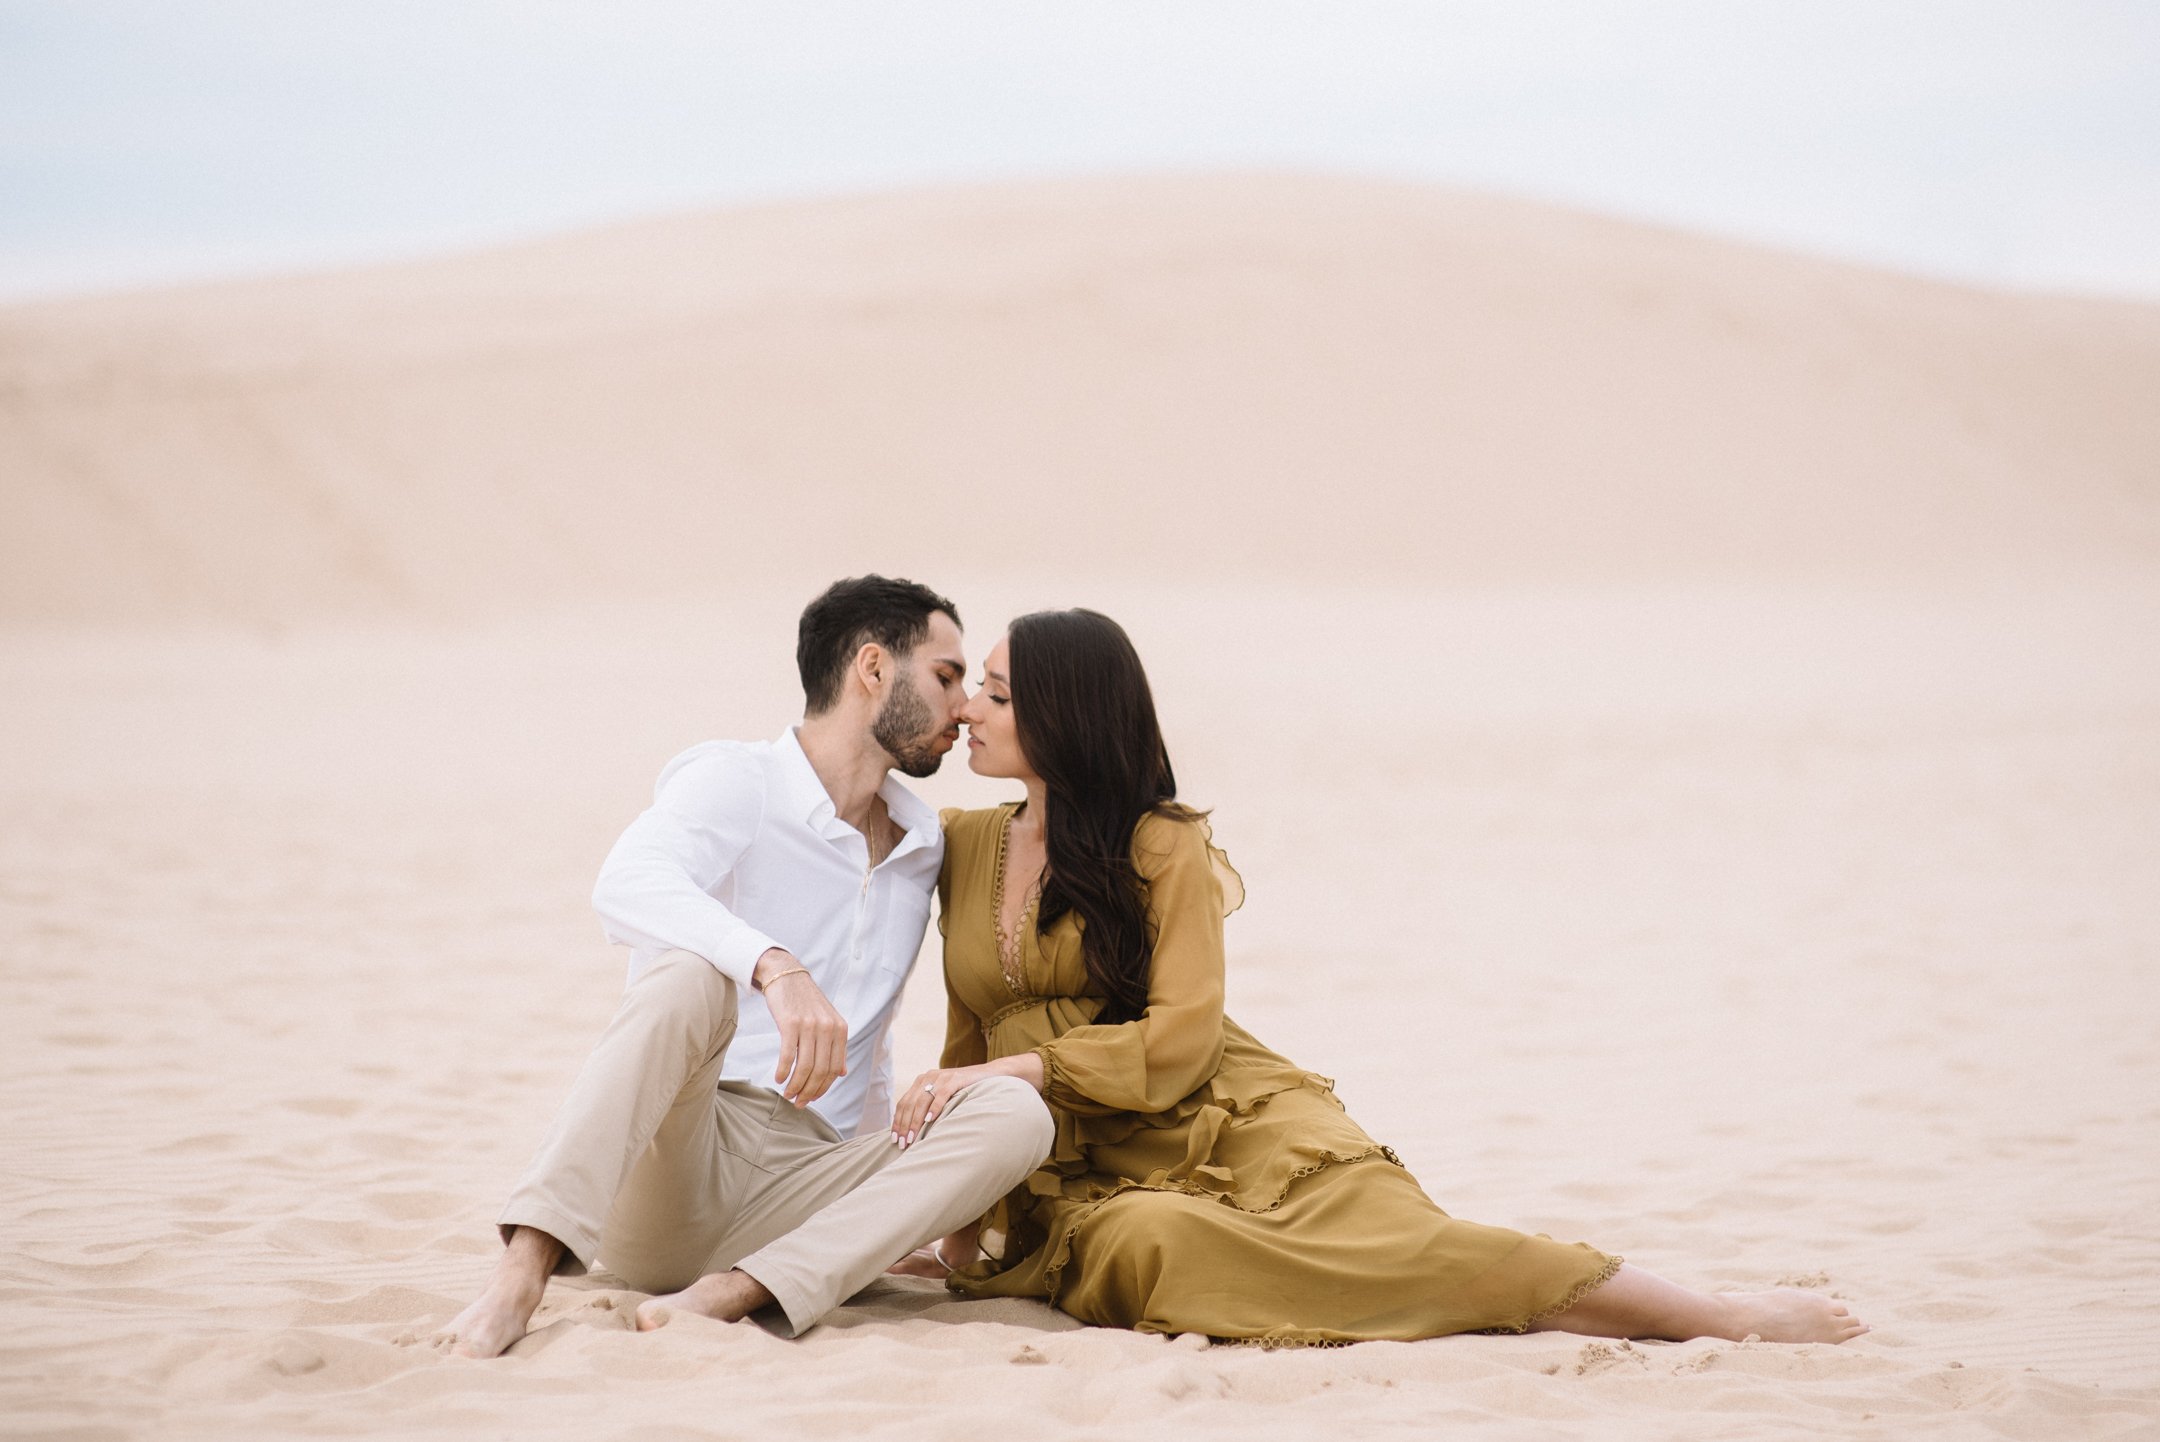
1026	1065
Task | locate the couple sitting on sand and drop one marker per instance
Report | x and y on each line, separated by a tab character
1097	1134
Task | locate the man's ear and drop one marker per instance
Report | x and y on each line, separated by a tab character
873	666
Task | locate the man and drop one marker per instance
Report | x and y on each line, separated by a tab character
774	898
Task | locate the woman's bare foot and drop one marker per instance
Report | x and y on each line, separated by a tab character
722	1296
922	1262
1636	1303
497	1318
1788	1314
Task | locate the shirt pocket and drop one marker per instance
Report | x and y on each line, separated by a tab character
900	923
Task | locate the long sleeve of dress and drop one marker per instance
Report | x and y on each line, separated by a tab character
1151	1064
964	1042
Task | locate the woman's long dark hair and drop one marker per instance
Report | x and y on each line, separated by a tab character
1086	721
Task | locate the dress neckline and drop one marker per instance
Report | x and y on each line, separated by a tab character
1011	950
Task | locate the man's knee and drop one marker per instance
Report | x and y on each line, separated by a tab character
1014	1116
684	985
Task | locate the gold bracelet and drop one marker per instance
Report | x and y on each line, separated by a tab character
798	971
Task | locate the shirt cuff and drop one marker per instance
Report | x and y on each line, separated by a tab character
736	954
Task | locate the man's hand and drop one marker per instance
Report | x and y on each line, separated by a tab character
813	1036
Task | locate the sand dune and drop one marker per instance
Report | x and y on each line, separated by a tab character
1689	719
1219	378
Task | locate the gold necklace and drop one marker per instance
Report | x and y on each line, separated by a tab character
876	832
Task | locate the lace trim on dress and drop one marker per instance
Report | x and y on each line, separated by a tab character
1028	1003
1011	947
1010	962
1576	1294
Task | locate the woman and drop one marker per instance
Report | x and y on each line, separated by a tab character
1199	1182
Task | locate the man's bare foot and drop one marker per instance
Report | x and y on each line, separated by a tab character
494	1321
722	1296
497	1318
1788	1314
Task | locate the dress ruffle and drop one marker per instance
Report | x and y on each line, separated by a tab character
1281	1232
1038	1222
1226	875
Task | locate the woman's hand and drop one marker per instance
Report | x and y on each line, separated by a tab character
926	1098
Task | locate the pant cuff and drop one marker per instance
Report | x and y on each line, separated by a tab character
581	1248
797	1306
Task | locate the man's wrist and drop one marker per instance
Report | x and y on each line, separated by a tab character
771	965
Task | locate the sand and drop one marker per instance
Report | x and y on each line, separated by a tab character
1689	718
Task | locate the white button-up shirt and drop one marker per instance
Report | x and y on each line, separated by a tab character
741	851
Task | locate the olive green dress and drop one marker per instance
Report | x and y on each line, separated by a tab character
1199	1182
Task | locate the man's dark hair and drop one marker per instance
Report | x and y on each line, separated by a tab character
850	615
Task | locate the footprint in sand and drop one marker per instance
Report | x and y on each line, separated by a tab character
81	1039
1951	1311
2068	1225
414	1206
1890	1226
322	1106
604	1312
292	1357
1597	1357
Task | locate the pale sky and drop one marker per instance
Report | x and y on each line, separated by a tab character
2012	142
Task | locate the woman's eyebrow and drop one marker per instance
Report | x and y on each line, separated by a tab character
997	676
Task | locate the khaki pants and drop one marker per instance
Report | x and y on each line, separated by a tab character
673	1174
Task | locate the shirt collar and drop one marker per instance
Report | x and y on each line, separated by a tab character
809	801
807	798
910	812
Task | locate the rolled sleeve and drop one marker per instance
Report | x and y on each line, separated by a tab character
655	888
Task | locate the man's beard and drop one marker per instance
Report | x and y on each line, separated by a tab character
907	731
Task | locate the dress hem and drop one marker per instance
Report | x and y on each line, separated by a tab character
1575	1295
